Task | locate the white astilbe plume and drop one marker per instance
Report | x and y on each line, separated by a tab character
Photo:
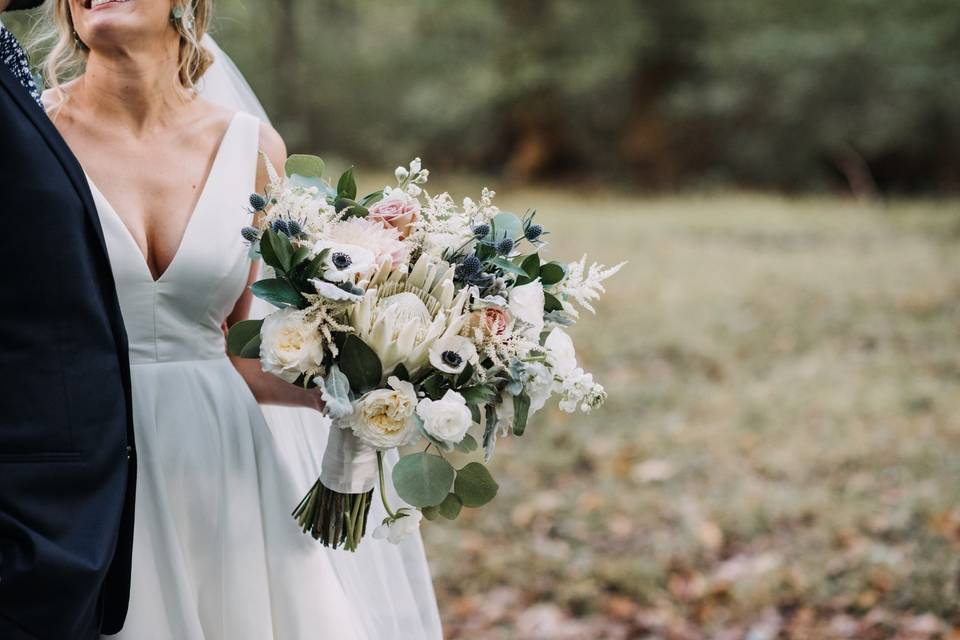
583	285
327	317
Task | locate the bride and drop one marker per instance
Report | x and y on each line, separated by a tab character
216	553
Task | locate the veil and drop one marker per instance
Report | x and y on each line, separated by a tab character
388	585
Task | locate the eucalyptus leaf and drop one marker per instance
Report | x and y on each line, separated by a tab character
423	479
475	486
450	507
467	445
475	413
430	513
304	165
360	364
505	225
243	338
521	410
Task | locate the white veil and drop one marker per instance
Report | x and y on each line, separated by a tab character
389	585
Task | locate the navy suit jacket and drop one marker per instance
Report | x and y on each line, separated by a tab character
67	464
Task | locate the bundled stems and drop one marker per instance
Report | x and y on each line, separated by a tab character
334	518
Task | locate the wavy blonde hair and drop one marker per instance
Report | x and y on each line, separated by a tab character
66	58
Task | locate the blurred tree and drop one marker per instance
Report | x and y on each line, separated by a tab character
665	94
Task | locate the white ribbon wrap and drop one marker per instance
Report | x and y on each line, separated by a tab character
349	466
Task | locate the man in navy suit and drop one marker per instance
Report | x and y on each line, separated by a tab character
67	463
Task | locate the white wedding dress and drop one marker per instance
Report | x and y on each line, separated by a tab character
217	555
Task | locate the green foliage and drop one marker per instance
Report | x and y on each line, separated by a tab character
243	339
423	479
304	165
360	364
278	292
474	485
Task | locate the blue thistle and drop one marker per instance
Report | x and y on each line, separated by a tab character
481	230
471	266
258	202
533	232
280	226
505	246
250	234
294	228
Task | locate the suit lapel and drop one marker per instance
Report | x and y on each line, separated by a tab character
56	143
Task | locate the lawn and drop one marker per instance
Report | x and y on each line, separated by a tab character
779	454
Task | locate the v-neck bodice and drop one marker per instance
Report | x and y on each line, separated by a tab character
178	315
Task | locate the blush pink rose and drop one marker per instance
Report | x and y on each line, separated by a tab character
398	210
493	321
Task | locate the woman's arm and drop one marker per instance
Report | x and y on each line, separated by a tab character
266	387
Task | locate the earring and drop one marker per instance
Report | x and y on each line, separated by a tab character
184	15
78	43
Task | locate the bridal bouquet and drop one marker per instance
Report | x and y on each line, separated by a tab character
421	320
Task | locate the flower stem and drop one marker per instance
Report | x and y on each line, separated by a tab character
383	490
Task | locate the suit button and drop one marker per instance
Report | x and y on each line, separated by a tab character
129	452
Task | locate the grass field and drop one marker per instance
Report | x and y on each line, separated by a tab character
780	454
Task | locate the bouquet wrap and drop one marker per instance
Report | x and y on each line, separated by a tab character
349	466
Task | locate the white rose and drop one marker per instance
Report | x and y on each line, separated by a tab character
452	354
289	345
446	419
382	418
344	262
526	304
561	354
398	529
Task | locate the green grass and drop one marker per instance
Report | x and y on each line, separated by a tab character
781	442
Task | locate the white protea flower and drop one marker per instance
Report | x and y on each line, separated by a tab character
402	315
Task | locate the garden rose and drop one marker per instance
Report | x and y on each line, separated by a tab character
289	345
446	419
382	418
397	209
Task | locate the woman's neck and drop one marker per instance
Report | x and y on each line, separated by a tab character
139	90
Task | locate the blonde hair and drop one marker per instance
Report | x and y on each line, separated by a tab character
67	57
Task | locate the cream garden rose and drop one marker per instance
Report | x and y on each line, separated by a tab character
290	345
382	418
446	419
